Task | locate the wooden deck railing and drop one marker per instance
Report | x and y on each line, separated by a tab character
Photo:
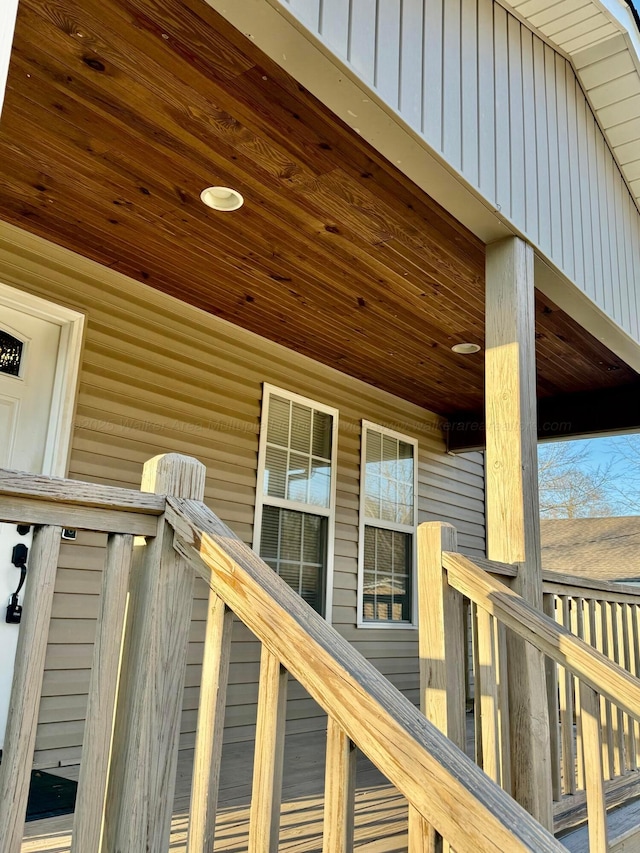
127	776
588	634
607	617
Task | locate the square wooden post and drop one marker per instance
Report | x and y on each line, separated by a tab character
140	793
512	506
442	650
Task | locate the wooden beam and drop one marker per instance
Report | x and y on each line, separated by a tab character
612	410
512	507
140	792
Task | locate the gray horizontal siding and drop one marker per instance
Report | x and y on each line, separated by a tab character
507	112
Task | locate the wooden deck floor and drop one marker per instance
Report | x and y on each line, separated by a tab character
381	813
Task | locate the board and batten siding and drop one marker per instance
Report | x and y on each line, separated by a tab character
158	375
507	112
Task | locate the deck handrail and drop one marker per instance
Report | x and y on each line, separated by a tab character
589	587
469	811
72	493
591	666
130	746
590	680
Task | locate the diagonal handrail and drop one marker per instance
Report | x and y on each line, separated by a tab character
439	781
557	642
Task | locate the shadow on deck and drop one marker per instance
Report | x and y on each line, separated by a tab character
380	811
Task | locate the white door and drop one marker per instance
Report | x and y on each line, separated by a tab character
29	353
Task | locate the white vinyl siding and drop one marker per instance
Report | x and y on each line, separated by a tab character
388	517
295	501
507	112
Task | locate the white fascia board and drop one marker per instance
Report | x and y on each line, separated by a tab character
280	35
621	15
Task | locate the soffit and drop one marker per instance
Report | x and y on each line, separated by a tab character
118	114
602	40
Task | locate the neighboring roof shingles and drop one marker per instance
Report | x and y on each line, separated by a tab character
603	549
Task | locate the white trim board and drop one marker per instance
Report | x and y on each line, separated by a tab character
60	429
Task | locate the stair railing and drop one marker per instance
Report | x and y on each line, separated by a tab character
127	775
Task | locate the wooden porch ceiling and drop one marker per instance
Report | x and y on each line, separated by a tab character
119	112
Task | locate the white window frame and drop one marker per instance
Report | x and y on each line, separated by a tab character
310	509
363	521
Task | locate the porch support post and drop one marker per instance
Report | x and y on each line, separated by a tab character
8	11
512	507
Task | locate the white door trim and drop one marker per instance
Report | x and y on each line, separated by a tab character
58	444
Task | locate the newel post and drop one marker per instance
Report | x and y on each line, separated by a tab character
442	653
441	640
512	506
141	786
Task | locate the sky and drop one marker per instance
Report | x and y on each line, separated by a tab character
622	475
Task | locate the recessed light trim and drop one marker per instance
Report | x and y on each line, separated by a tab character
465	348
222	198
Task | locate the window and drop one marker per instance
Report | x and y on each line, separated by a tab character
387	527
10	354
295	504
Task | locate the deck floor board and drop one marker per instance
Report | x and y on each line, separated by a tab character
381	812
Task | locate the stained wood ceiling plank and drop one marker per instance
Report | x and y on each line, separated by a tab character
398	375
154	79
74	171
133	106
455	312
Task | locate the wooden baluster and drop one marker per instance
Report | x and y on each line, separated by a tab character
477	705
622	657
566	712
630	665
634	646
601	644
503	706
208	750
264	819
101	706
551	671
594	783
20	737
422	837
616	714
487	688
577	628
339	791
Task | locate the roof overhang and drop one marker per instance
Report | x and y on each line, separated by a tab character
602	41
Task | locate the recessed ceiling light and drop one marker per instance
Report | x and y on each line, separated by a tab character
222	198
465	349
